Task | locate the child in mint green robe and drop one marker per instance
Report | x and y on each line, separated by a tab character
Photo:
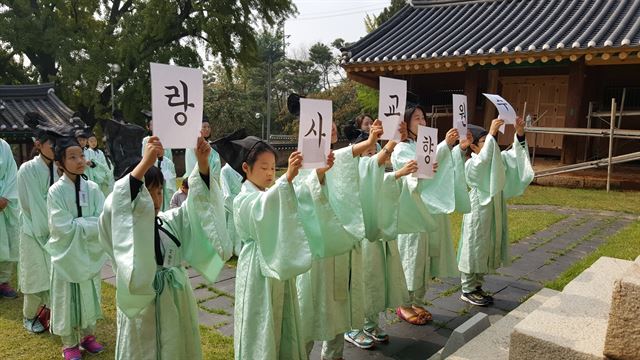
430	254
494	176
74	205
267	323
157	314
9	219
34	179
231	183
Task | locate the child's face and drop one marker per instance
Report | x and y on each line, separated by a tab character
184	189
93	142
74	161
334	133
417	118
263	171
150	125
156	196
476	149
45	149
206	129
82	141
366	124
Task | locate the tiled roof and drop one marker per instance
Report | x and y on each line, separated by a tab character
436	29
16	100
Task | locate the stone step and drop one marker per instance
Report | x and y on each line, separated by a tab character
493	343
571	324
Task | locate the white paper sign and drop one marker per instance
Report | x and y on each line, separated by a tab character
427	144
176	104
460	115
391	106
505	110
314	136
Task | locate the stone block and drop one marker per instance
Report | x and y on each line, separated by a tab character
623	330
572	324
465	333
493	343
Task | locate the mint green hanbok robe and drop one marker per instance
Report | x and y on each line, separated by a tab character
267	323
231	183
190	162
494	177
99	174
35	263
169	173
76	256
100	159
157	313
430	254
333	222
9	217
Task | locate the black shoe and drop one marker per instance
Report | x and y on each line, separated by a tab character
474	298
484	294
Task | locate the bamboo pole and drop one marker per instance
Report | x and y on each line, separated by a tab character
613	123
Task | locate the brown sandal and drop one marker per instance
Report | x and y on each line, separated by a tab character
414	319
422	312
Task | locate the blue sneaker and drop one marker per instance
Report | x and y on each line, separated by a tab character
359	339
33	325
6	291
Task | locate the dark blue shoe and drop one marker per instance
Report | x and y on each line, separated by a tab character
6	291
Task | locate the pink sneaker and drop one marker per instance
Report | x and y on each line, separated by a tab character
90	344
72	353
7	291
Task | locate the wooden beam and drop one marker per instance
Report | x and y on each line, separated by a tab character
574	115
492	88
471	90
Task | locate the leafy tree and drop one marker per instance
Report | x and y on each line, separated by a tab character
321	55
72	42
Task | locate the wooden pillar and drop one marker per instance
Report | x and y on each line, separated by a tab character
471	90
492	88
575	112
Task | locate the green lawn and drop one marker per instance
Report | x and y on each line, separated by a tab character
623	245
46	346
623	201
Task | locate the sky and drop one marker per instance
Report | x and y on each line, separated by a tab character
326	20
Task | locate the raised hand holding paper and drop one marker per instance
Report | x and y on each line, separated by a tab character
505	110
177	100
314	136
391	106
427	144
460	114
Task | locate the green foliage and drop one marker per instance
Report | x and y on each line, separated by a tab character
372	22
72	42
368	98
321	55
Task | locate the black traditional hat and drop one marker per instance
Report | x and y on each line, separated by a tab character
62	143
293	104
477	132
235	149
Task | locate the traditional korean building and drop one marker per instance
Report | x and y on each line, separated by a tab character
565	58
17	100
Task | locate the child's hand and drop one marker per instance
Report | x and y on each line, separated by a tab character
520	126
451	137
375	132
495	127
322	171
464	144
408	168
3	203
152	151
203	149
295	163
